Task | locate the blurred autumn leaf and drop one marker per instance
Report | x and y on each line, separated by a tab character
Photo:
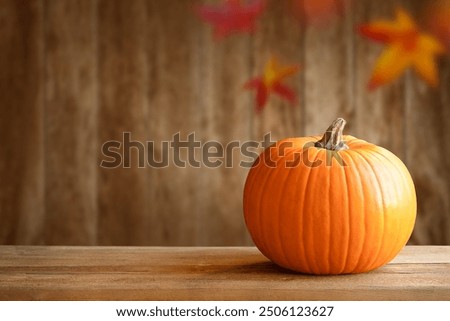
406	46
231	16
271	81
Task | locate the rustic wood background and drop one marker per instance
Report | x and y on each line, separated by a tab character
75	74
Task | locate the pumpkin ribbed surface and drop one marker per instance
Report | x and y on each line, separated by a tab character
320	211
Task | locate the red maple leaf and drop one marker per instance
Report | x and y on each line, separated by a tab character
231	16
437	17
271	81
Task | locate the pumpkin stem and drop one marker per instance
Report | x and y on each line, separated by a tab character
332	139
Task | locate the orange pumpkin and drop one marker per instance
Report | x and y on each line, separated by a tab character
329	206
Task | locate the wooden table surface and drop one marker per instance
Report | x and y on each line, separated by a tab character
207	273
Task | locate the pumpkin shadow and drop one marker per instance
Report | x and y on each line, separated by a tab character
270	268
262	268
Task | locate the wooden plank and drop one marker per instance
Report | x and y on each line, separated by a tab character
423	254
328	74
158	74
123	107
188	204
380	113
279	35
222	273
428	151
71	122
173	210
21	122
224	110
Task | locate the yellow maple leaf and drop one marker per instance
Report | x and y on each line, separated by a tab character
407	46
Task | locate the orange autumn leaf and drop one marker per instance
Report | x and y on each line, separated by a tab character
271	81
406	46
437	17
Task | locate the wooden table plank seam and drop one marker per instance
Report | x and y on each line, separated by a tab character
218	273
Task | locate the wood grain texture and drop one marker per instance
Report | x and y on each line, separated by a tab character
76	74
379	113
227	273
279	35
71	122
175	107
430	114
225	113
428	151
328	84
21	122
123	107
